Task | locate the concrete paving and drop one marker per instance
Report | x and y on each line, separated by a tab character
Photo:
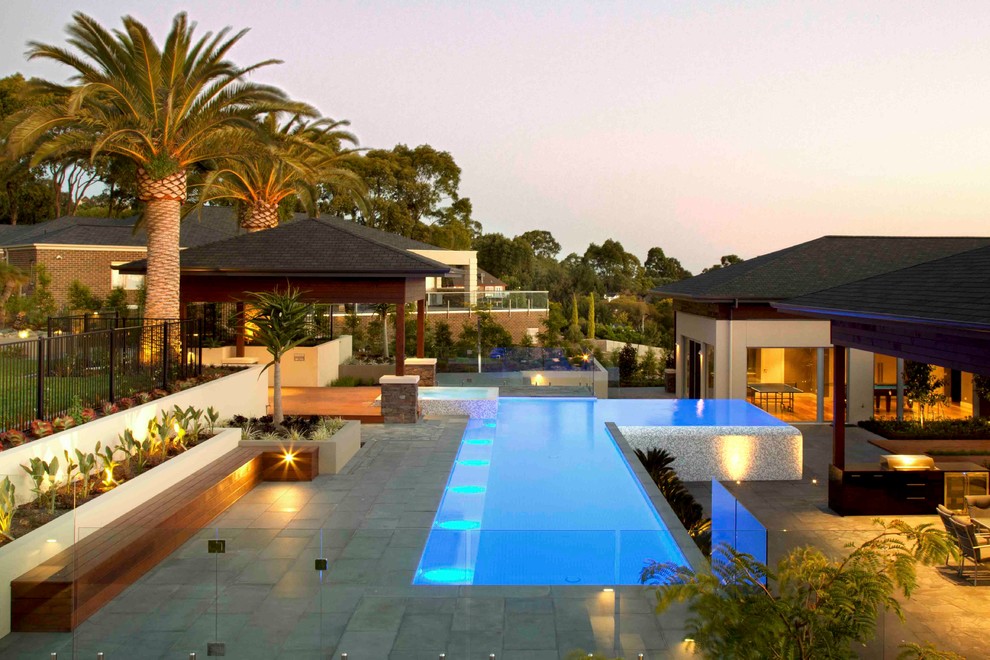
264	598
943	610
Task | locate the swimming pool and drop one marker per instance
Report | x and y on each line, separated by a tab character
542	495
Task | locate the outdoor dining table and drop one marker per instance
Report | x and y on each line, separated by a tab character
780	394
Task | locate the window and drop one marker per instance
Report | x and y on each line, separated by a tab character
126	282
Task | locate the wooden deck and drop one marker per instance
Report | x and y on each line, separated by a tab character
344	402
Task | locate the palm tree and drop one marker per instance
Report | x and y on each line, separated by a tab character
291	160
168	110
280	321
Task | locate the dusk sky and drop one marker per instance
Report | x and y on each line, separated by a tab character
704	128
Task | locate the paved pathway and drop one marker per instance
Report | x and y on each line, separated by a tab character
264	599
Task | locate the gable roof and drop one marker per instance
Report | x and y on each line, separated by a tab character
820	264
311	246
954	291
202	226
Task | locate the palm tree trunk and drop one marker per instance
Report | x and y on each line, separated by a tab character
162	280
259	215
277	393
164	199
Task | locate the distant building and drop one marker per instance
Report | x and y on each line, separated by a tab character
489	283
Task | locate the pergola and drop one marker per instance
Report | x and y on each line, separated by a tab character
323	259
937	313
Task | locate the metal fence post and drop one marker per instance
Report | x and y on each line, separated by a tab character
41	378
165	350
113	359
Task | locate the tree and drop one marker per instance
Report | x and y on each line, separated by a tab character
542	242
288	164
168	110
627	361
382	309
617	268
443	340
649	366
24	197
281	322
509	259
493	334
922	387
412	192
11	278
591	316
81	298
726	261
663	269
808	606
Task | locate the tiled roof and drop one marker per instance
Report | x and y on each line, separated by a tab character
202	226
952	290
816	265
313	246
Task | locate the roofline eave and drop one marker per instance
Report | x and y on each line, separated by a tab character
830	313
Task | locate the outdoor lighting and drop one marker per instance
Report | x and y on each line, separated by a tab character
585	357
608	590
474	462
449	575
51	541
538	380
23	334
288	457
814	481
467	490
459	525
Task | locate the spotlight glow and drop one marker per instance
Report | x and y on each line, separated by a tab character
467	490
449	575
459	525
473	462
478	441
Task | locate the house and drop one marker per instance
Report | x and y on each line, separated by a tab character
737	338
85	249
489	283
88	249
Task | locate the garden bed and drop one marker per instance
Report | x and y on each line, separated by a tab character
337	440
77	415
945	429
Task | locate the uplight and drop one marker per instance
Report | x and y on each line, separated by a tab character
608	590
51	541
23	334
288	457
478	441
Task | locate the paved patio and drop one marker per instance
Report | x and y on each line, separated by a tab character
264	599
943	610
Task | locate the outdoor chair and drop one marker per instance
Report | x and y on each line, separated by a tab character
971	548
945	515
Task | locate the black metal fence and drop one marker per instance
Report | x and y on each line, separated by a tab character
40	379
220	321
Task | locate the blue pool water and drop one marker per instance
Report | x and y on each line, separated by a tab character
542	495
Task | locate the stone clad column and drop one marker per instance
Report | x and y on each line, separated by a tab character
425	368
400	399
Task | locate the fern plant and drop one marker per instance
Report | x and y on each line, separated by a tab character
809	605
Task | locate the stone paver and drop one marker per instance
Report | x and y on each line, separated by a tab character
264	598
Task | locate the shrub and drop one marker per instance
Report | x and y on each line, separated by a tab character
14	438
944	429
8	507
40	428
658	464
628	361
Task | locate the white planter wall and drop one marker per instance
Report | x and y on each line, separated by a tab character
306	366
23	554
241	393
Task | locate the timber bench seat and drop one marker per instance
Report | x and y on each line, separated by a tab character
66	589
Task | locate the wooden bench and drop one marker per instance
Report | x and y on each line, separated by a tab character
65	590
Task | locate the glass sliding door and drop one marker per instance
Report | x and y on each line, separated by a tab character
785	382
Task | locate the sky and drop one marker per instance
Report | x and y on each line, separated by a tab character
705	128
